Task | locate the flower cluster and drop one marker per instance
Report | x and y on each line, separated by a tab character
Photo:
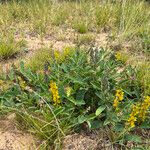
61	56
144	108
54	90
57	55
139	112
118	56
23	85
133	115
118	98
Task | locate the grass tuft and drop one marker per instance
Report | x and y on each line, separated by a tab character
9	47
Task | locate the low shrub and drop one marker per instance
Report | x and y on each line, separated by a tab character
89	88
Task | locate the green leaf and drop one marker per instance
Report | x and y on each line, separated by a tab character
76	102
81	119
119	127
94	124
106	122
89	124
79	102
80	94
100	110
91	117
97	87
133	138
145	125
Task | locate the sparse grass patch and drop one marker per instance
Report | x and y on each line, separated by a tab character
39	59
143	75
85	39
81	27
103	16
9	47
59	15
131	17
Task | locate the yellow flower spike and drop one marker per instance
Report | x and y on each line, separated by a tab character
119	94
144	108
139	112
65	53
118	55
55	94
22	83
57	55
119	97
116	102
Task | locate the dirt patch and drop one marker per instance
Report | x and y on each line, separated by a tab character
92	141
13	139
79	142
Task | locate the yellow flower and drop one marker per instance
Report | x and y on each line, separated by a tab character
133	116
144	108
132	120
22	83
119	94
118	55
147	101
116	103
139	111
119	97
57	55
55	94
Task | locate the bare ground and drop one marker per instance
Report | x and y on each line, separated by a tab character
13	139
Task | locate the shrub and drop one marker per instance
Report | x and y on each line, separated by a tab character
87	87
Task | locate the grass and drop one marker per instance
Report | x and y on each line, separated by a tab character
81	26
143	75
39	59
126	20
9	47
85	39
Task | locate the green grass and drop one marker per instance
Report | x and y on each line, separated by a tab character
126	20
85	39
81	27
143	76
38	60
9	47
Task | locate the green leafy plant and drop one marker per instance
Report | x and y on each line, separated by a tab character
88	87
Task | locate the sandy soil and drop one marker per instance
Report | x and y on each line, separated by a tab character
13	139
